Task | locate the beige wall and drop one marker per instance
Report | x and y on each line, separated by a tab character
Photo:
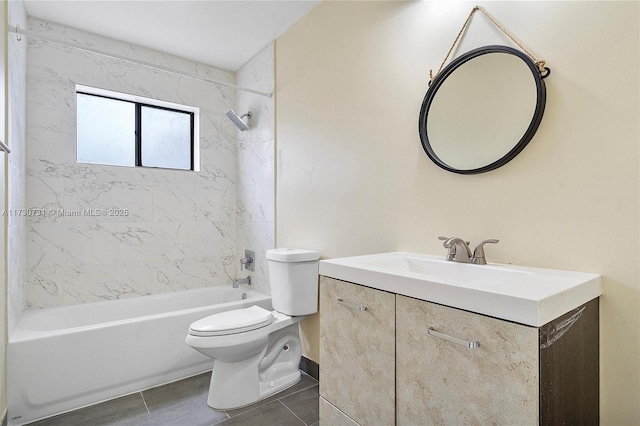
352	177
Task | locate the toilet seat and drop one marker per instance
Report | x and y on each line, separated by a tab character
232	322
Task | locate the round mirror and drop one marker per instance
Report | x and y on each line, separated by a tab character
482	109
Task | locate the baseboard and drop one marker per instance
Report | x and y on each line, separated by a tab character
310	367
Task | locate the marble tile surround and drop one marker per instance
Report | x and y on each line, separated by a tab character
16	299
256	178
184	229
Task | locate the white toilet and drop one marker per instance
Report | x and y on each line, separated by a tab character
256	352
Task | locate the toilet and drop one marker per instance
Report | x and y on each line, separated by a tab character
256	352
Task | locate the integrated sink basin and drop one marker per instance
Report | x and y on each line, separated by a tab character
530	296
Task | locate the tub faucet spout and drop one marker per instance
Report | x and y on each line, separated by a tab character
247	281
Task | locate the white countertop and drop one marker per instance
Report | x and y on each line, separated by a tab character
530	296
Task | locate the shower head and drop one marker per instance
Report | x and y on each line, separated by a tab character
238	120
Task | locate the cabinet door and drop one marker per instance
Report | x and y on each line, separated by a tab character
331	416
357	351
442	382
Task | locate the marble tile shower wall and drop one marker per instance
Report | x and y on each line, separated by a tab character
181	226
256	178
16	302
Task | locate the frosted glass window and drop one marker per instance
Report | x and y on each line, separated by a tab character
166	138
105	131
125	130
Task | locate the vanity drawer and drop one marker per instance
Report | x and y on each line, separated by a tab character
442	378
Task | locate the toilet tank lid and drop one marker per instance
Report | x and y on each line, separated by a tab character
292	255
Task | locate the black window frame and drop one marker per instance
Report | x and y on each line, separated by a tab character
138	128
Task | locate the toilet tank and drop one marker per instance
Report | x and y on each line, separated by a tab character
293	277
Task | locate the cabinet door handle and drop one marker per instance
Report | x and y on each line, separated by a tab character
359	308
472	345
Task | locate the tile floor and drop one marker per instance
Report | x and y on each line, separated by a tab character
184	403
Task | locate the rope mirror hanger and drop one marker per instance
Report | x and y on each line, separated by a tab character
540	63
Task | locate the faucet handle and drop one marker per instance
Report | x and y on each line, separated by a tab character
248	261
448	238
451	254
478	252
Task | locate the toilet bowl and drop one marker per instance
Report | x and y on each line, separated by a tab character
256	352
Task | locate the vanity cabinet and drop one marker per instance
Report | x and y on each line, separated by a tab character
357	354
450	366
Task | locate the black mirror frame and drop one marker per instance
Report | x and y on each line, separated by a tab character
448	70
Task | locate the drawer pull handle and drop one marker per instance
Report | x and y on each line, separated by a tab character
359	308
472	345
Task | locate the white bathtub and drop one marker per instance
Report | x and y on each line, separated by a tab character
63	358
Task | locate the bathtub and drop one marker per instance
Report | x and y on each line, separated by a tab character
63	358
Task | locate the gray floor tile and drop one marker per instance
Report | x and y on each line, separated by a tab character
185	416
183	402
176	392
119	411
305	382
304	404
273	414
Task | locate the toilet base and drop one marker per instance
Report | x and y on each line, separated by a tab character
273	387
263	395
240	383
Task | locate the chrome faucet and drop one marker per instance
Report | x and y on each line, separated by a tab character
459	250
247	281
